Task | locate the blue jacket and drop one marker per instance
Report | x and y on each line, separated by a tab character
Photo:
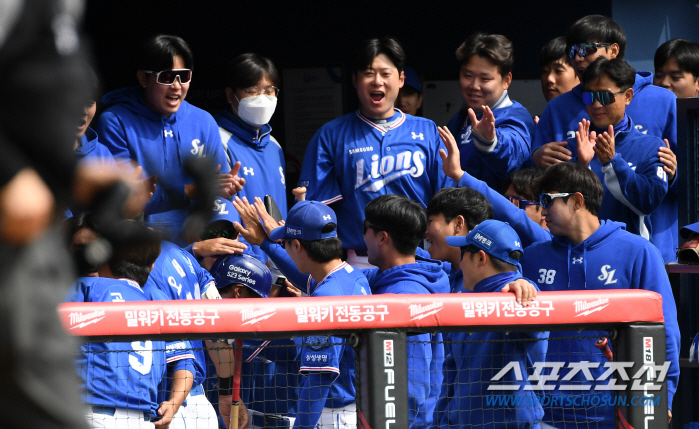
473	359
425	351
653	111
634	182
91	149
132	131
262	161
514	130
610	258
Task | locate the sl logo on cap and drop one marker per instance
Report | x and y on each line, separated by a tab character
327	217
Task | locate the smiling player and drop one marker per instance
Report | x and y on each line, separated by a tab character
493	132
374	151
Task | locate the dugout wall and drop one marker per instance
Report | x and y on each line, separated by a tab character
379	327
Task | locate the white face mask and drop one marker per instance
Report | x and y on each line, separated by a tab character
257	111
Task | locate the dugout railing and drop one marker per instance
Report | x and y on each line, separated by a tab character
379	327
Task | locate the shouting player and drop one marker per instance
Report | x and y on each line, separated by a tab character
374	151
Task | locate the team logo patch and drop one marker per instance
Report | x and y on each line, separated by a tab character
317	343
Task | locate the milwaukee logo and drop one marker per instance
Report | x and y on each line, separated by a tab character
254	315
590	307
85	319
422	311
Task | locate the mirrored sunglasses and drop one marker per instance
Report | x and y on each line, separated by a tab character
167	77
604	97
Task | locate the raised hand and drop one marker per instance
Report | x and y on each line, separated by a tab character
586	142
669	160
253	232
604	145
486	126
268	221
451	162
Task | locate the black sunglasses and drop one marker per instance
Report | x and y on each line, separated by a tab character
211	233
374	227
522	204
585	49
469	249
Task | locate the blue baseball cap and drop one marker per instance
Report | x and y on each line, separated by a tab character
411	79
243	269
306	221
687	231
224	210
495	238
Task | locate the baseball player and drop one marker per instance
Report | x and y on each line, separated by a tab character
374	151
269	380
312	258
493	132
393	228
121	380
652	109
179	276
154	126
473	359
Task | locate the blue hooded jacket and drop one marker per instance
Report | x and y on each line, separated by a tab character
654	113
91	149
610	258
132	131
473	359
425	351
262	163
514	130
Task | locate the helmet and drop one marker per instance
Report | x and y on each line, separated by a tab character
242	269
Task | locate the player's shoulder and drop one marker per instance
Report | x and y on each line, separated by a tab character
119	291
655	94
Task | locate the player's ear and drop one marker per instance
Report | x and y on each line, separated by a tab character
628	96
230	95
506	81
579	200
482	258
402	79
613	51
459	225
141	76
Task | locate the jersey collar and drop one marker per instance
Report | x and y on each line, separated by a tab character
308	287
378	128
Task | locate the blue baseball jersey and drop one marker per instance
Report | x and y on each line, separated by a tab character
634	182
329	359
425	351
353	159
653	111
126	375
473	359
179	276
261	159
493	162
270	376
132	131
610	258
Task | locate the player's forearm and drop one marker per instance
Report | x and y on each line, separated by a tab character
181	385
312	400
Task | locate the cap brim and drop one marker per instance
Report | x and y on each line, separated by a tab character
277	233
457	240
688	230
